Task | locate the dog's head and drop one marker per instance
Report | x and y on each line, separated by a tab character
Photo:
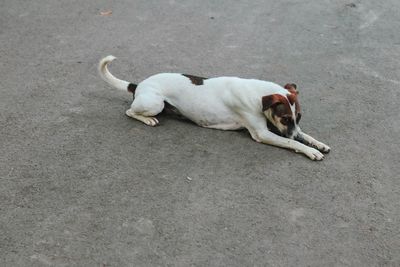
283	112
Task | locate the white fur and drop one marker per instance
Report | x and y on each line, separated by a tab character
108	77
226	103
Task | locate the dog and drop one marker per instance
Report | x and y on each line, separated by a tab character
270	112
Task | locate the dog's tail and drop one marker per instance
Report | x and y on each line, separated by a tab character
111	79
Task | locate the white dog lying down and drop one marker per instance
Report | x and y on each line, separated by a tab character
270	113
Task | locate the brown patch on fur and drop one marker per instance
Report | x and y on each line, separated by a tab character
292	96
131	88
278	102
280	108
196	80
292	88
293	100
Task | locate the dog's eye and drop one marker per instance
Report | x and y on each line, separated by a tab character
298	118
285	120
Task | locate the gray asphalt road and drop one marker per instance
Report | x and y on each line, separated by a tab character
83	185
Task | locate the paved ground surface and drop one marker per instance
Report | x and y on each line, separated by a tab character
83	185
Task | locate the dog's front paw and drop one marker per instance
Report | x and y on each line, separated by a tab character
314	154
323	148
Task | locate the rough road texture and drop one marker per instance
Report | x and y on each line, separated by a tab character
83	185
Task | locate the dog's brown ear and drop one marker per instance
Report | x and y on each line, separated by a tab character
291	87
272	100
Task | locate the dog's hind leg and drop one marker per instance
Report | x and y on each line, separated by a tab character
145	107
